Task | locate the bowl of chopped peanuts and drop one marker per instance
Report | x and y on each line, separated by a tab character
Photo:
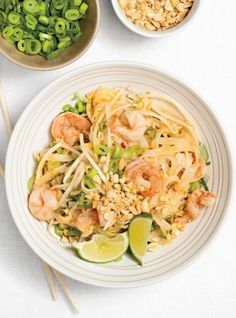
155	18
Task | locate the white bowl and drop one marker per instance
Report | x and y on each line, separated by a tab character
32	133
155	34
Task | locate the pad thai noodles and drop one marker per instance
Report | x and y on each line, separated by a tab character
115	154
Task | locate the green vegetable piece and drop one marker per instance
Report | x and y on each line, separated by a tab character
47	46
113	166
58	231
81	107
204	152
83	8
32	47
43	8
92	173
72	14
88	183
194	186
150	133
102	150
61	26
7	32
58	4
44	36
14	18
52	20
66	107
204	184
31	6
117	153
17	34
31	183
73	231
54	54
133	152
21	45
77	2
43	20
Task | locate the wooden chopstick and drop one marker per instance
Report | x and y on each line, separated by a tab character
48	273
5	110
47	269
66	290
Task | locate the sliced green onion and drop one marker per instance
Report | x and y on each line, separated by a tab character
43	19
133	152
32	47
102	150
77	2
52	20
72	231
194	186
60	150
204	184
54	54
150	133
72	14
47	46
117	152
31	6
66	107
21	45
81	107
58	4
14	18
113	166
60	26
7	32
46	26
88	183
58	231
17	34
92	173
83	8
44	36
84	205
31	183
204	152
102	126
43	7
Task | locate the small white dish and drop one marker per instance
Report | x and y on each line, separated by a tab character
156	34
32	133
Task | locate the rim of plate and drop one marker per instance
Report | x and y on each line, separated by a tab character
42	250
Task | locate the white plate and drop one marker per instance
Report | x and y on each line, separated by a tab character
32	133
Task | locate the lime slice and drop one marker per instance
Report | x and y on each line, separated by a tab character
139	230
102	249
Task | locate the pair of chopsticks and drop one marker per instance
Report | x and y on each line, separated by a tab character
49	272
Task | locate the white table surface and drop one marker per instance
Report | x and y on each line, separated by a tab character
205	56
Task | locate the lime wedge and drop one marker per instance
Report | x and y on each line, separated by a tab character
102	249
139	230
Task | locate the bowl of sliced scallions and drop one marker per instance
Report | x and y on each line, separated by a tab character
49	34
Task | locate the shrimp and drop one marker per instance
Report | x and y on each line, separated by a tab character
68	126
130	125
85	220
198	199
146	175
42	203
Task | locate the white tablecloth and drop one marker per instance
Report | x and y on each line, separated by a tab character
205	56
